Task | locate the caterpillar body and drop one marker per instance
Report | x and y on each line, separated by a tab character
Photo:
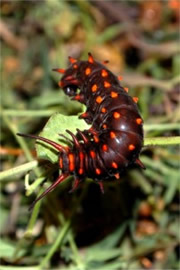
115	138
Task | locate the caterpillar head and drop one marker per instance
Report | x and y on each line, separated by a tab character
73	76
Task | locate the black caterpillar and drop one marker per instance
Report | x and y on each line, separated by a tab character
116	137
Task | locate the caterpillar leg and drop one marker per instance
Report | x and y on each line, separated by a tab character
117	175
60	179
101	187
75	185
141	165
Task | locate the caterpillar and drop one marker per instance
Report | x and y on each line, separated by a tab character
115	138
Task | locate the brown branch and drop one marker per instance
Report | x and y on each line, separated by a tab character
165	49
12	41
119	12
134	80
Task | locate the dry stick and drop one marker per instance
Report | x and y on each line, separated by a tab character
164	49
13	41
120	12
140	80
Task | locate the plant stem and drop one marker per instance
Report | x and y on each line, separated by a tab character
57	243
20	169
7	267
21	141
33	218
162	141
155	127
29	113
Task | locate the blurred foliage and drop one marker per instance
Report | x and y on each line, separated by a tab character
135	224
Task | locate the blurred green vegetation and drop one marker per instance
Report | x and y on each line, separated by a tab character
135	224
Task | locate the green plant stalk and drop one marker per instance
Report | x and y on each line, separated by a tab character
20	140
22	143
6	267
162	141
37	172
20	169
62	233
33	218
34	185
29	113
72	244
155	127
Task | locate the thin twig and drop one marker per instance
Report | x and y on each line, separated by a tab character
56	244
13	41
163	126
162	141
19	169
135	79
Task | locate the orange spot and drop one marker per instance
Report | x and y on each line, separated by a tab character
60	84
98	171
107	84
72	60
87	71
94	88
120	78
103	110
138	121
90	58
112	135
71	162
78	97
104	73
174	4
131	147
114	94
135	99
91	130
81	155
105	147
99	99
84	115
60	70
117	175
114	165
104	126
81	171
116	115
96	139
105	62
126	89
75	66
92	154
61	163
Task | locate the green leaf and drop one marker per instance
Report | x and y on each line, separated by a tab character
102	254
56	125
7	249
